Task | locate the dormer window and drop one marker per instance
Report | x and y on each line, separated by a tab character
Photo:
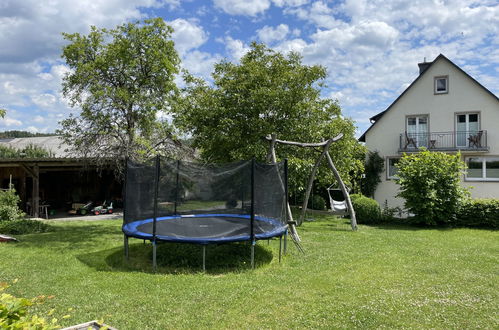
441	85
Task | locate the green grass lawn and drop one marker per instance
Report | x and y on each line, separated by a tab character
391	276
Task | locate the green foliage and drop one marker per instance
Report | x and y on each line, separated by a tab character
268	93
23	226
367	210
373	168
14	313
21	134
9	206
317	202
122	79
30	151
3	112
430	184
478	213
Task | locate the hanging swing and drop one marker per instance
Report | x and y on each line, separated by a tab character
337	207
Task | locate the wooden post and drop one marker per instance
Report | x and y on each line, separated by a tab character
353	220
36	191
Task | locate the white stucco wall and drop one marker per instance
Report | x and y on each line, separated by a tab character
464	95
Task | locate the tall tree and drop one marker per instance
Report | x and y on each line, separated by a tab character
122	79
266	93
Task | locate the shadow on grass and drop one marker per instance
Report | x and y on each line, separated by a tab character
177	258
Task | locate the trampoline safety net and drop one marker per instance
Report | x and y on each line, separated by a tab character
205	203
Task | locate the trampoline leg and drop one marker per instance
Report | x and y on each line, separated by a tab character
126	247
280	248
204	258
285	242
253	255
154	264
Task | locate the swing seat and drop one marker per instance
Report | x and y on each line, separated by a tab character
338	207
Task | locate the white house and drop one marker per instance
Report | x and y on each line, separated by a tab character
444	109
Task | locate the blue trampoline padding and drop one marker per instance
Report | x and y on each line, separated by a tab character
205	228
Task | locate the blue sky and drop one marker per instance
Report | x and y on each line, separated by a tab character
370	48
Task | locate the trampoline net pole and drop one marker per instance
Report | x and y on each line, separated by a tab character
204	258
252	216
155	212
126	246
176	188
286	215
280	248
154	264
155	201
125	242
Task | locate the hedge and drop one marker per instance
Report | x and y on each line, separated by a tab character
478	213
367	210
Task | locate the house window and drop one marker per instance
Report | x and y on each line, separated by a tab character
391	168
467	125
441	85
417	131
482	168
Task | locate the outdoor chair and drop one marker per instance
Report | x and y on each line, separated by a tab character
475	140
409	141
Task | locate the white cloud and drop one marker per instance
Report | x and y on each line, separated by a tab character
243	7
32	129
44	100
187	35
236	48
268	34
38	119
290	3
8	121
318	14
200	63
10	88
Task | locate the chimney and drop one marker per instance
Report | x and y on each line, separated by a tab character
423	66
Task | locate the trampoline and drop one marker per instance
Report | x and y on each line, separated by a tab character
174	201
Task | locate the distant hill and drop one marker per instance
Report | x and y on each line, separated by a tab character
22	134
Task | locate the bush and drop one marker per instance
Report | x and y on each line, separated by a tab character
478	213
373	167
317	203
367	210
23	226
14	313
9	209
430	184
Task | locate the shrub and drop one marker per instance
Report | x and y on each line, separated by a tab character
373	167
391	214
478	213
9	209
317	203
14	313
367	210
23	226
430	184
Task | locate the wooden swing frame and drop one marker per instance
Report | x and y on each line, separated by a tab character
271	157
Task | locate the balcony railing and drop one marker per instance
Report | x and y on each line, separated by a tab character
444	141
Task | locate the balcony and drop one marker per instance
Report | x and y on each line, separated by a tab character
475	141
